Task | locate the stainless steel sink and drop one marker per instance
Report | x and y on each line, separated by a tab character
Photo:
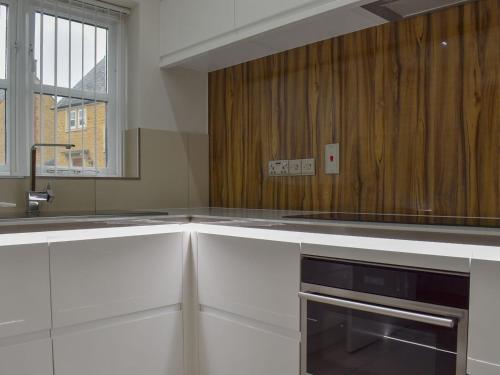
58	223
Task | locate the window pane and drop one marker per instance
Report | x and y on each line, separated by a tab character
62	52
3	41
3	129
85	127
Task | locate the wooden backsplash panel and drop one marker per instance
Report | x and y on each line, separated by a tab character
415	106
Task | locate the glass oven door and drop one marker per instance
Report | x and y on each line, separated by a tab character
348	337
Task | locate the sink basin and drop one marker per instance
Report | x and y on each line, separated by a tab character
45	224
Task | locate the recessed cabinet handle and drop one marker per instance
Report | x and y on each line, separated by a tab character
381	310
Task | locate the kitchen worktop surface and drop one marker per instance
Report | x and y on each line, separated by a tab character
292	226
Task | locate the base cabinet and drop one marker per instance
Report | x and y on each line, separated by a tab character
484	329
231	347
149	345
33	357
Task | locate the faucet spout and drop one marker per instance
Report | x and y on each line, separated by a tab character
33	197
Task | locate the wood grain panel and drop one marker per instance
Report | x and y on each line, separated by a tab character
415	106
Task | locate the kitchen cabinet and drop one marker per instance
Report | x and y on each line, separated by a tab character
484	329
25	346
248	293
25	289
250	11
208	35
256	279
229	347
103	278
149	344
26	356
189	22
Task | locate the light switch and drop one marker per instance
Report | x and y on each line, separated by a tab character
295	167
332	161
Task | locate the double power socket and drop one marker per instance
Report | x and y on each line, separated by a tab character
298	167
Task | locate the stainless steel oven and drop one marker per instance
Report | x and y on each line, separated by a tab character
371	319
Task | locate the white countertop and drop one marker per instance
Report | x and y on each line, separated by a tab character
427	246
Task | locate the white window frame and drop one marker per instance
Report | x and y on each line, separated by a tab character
9	84
20	92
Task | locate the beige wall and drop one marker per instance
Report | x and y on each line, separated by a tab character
174	173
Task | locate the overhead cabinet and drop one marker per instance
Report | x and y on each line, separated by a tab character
189	22
211	34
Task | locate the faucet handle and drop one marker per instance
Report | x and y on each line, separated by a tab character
50	193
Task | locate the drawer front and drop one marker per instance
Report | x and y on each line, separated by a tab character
150	345
97	279
32	357
24	289
257	279
227	345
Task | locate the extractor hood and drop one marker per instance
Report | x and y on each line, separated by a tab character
394	10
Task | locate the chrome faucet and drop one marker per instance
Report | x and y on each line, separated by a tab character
33	197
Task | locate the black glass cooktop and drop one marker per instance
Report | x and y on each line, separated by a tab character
402	219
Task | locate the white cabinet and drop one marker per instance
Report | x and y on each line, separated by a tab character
256	279
230	347
484	326
149	344
30	356
248	293
208	35
189	22
250	11
24	289
102	278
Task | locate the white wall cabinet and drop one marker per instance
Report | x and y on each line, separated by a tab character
207	35
189	22
250	11
484	327
102	278
230	347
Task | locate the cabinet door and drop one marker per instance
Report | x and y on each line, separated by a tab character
256	279
32	357
98	279
484	326
148	345
189	22
229	347
251	11
24	289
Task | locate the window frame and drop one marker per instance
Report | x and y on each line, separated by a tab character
9	84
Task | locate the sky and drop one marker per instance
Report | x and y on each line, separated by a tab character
69	59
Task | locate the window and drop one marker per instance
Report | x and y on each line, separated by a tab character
70	87
77	122
6	88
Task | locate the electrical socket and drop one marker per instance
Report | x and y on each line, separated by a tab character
308	167
278	168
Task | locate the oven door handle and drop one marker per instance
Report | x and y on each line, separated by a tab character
381	310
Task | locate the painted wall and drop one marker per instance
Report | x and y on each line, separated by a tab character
414	106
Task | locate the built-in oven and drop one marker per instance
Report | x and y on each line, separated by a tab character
370	319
